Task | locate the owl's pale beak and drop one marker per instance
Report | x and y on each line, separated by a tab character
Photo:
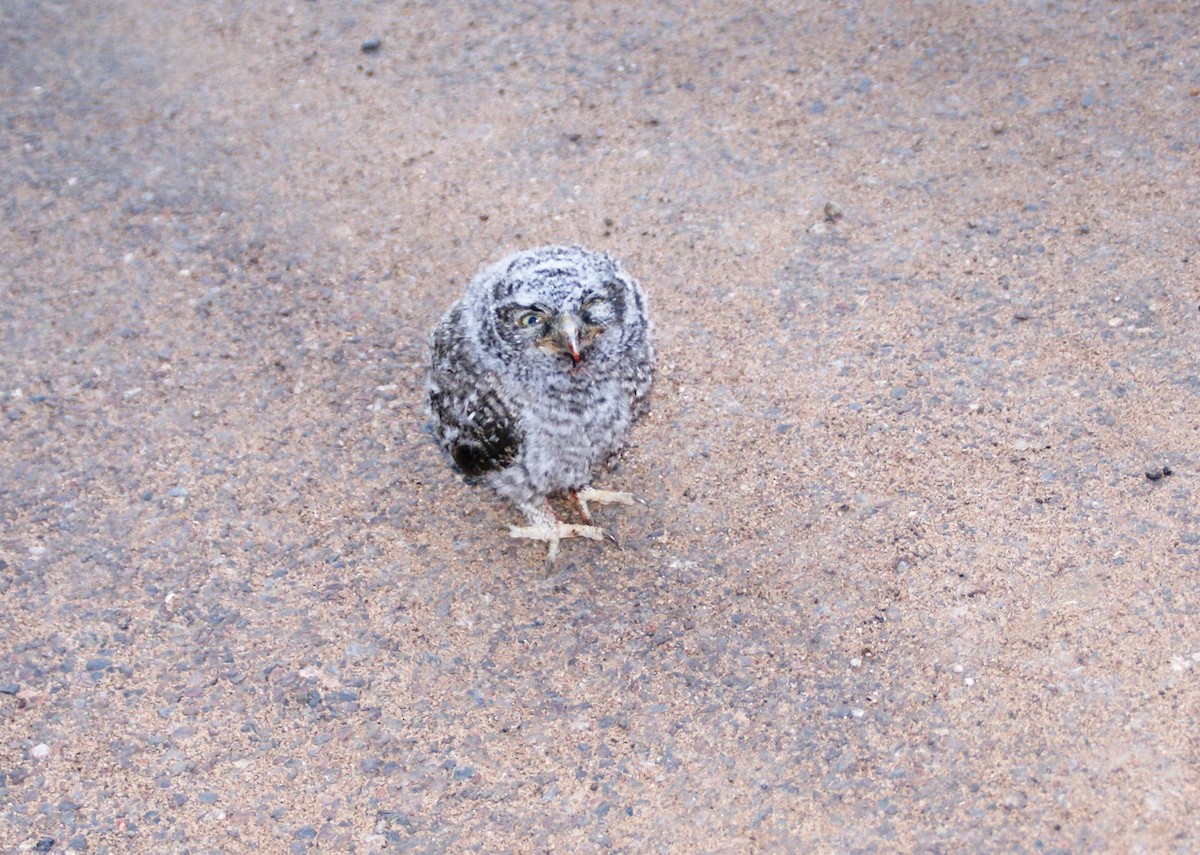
565	334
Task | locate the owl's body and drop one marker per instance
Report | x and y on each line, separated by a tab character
538	373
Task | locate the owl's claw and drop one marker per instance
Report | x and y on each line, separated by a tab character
546	526
604	497
552	531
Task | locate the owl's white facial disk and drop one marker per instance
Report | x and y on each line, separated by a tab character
562	310
565	333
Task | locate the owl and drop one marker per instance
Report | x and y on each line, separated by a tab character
538	373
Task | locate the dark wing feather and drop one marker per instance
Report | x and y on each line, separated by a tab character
471	421
487	439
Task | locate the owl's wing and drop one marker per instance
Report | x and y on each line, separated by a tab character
639	377
639	386
471	419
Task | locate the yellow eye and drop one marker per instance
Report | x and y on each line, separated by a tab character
529	319
594	302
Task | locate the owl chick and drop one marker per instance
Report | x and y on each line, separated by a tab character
538	373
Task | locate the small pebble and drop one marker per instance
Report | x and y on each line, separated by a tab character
40	750
371	45
78	843
9	688
98	663
44	845
1156	472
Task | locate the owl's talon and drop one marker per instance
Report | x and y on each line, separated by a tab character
607	497
604	497
552	531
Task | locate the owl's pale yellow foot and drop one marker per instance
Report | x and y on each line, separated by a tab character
545	526
603	497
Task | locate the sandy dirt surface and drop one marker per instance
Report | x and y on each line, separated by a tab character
913	576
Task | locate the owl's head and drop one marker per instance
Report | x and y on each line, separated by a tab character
562	308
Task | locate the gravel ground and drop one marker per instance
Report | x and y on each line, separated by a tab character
921	565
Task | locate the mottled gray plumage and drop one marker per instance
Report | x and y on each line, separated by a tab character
538	373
